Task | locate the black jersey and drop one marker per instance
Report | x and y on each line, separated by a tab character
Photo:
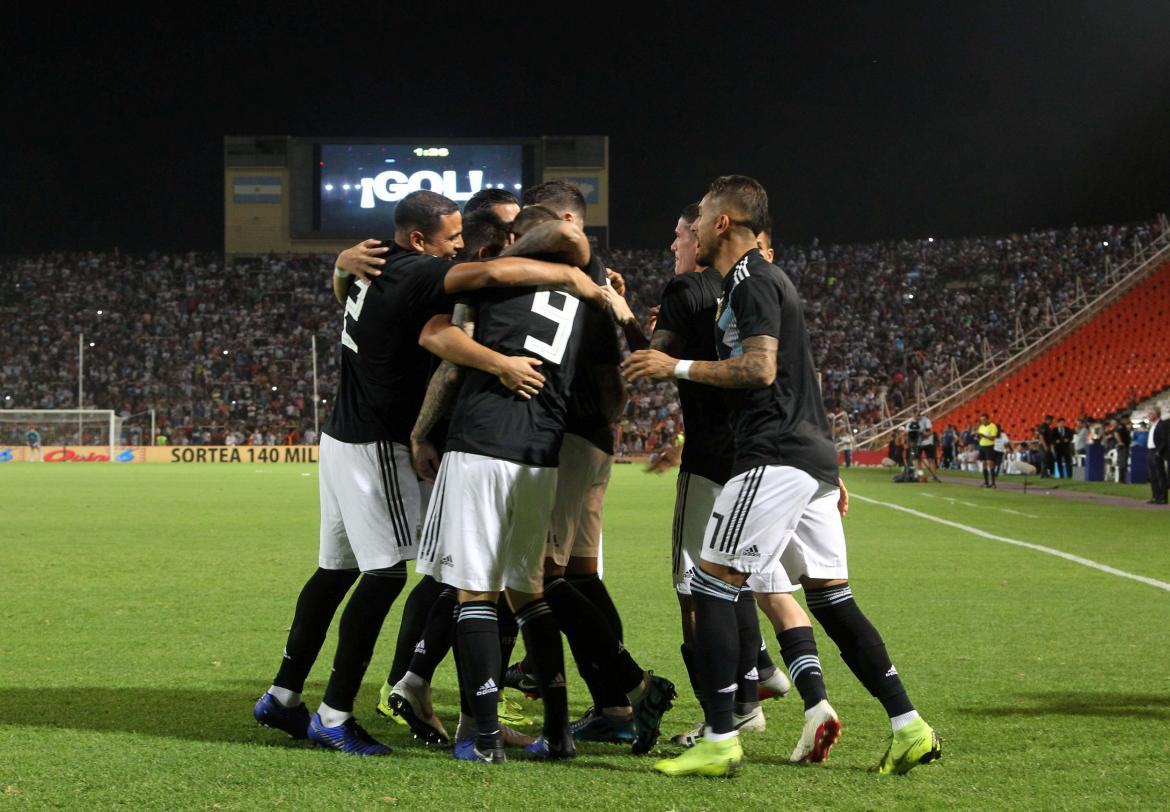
689	303
384	371
599	347
493	421
785	423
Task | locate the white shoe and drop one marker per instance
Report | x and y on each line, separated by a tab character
689	738
752	722
418	711
821	731
776	685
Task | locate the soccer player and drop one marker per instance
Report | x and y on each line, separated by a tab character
33	438
628	702
684	328
487	523
988	433
369	495
500	202
781	504
926	450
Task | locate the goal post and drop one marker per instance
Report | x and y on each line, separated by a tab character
62	427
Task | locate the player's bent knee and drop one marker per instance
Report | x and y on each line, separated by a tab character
821	583
552	569
396	572
518	600
581	565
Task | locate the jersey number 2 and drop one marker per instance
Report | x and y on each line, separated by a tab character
353	308
562	317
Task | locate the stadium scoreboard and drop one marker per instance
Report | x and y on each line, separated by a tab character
284	194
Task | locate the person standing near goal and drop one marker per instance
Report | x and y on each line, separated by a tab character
33	438
782	504
369	494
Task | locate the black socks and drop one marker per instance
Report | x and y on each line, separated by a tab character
798	647
860	644
318	602
542	638
414	620
437	637
361	623
477	638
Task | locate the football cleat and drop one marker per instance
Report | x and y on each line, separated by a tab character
648	713
915	744
510	712
466	750
821	731
689	738
597	727
383	707
516	677
775	686
751	722
348	737
413	705
541	750
293	721
715	759
512	738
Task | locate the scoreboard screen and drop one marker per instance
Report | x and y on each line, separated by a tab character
357	185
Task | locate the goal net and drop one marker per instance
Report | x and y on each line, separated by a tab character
62	427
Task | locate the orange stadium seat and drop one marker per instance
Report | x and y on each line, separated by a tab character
1122	354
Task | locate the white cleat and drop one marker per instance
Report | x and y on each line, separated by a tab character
821	731
775	686
413	704
752	722
689	738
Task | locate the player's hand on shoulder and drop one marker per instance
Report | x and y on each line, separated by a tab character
652	319
585	289
652	364
424	458
616	281
618	305
519	374
364	259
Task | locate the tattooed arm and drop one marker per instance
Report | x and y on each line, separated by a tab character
440	398
755	369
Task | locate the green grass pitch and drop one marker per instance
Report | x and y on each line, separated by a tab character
143	610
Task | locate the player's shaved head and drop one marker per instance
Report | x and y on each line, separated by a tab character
742	198
530	217
561	196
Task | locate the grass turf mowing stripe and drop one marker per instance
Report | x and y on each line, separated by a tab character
1076	559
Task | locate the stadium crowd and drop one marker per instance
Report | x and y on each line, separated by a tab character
222	351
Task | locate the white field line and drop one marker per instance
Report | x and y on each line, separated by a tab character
1076	559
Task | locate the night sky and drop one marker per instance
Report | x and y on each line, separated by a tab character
874	121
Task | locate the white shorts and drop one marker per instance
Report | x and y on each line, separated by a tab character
487	523
776	520
369	505
582	477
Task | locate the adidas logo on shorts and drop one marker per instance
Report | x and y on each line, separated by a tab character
488	687
447	561
751	552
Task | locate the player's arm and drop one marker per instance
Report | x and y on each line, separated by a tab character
754	369
620	308
441	337
362	260
611	391
440	397
523	272
561	239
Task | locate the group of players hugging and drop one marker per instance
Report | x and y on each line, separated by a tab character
490	468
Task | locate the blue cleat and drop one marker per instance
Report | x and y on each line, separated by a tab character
648	713
541	750
597	727
348	737
293	721
465	750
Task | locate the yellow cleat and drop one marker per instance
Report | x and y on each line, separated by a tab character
383	707
511	713
915	744
710	758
